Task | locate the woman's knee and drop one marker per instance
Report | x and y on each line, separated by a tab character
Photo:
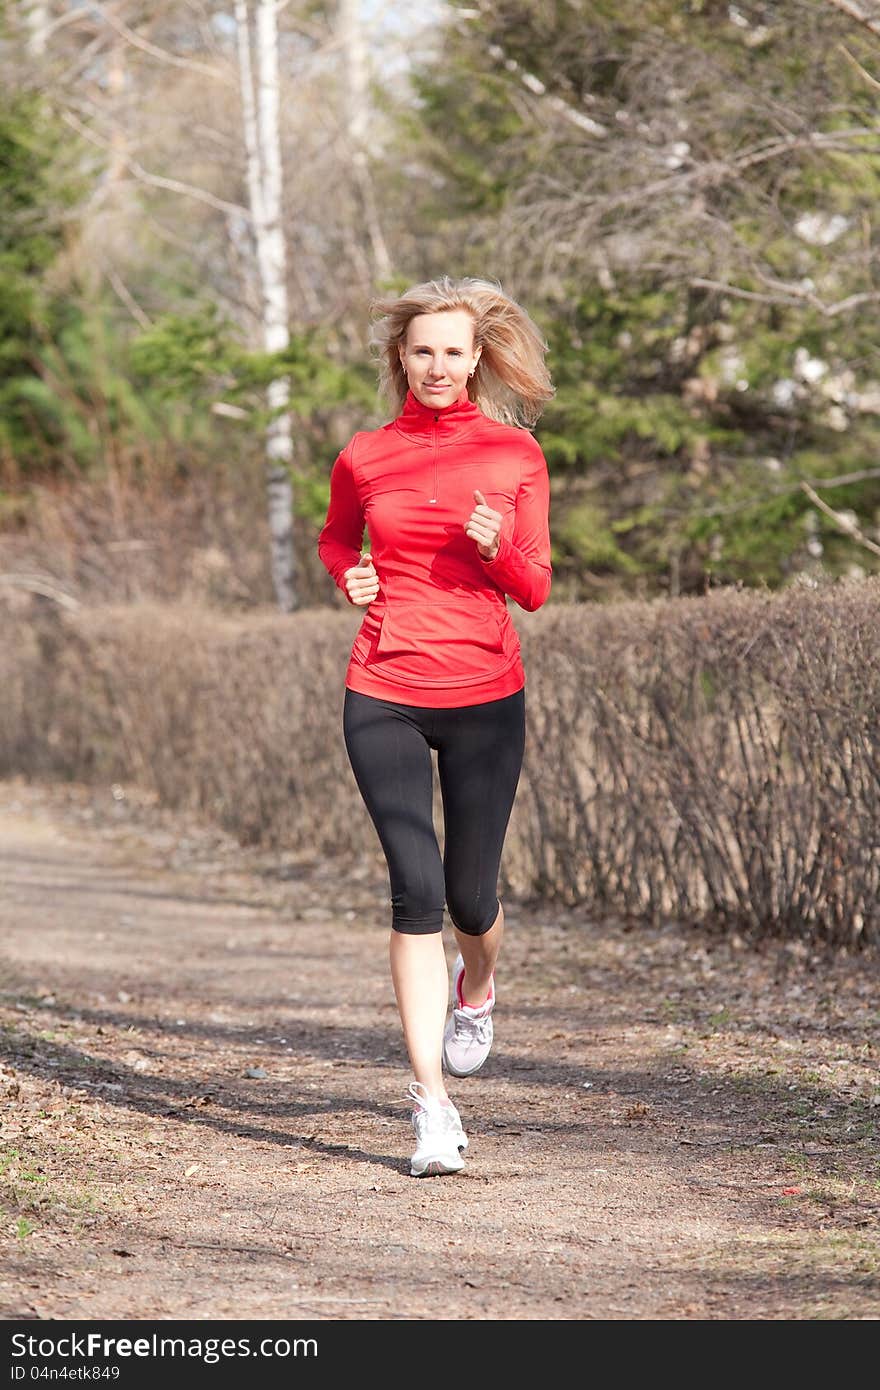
471	918
417	910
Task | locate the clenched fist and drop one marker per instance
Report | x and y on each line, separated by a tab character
484	526
362	581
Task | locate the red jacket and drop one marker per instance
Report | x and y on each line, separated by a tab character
439	633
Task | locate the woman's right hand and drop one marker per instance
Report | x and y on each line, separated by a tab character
362	582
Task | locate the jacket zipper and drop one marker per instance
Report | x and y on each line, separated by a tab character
436	446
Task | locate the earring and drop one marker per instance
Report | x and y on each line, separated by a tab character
472	370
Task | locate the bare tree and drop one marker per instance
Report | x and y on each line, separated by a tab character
356	97
642	150
209	104
114	77
262	137
36	17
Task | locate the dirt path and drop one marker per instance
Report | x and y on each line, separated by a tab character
203	1116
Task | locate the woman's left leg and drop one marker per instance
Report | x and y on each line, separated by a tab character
479	758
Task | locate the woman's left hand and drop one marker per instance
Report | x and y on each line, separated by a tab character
484	527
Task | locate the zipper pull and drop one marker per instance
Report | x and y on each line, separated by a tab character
436	422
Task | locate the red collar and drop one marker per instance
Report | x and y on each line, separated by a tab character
419	422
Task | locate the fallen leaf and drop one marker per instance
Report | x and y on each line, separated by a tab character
193	1168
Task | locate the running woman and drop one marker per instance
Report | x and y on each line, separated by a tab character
454	493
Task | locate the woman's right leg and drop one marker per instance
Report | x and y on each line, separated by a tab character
391	760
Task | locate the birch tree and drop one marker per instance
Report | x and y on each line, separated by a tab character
262	137
356	100
156	69
36	16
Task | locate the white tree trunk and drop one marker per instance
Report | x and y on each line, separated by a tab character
118	166
262	137
36	14
357	114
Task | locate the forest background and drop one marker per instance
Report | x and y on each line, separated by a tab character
199	205
201	1070
198	201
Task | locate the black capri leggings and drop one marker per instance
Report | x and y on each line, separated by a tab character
479	758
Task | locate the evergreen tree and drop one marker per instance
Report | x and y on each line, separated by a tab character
683	194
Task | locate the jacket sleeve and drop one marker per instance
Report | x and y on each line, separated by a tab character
521	567
340	541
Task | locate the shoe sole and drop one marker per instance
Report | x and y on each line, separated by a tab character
437	1167
453	1071
472	1071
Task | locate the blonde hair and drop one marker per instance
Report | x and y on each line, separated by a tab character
511	383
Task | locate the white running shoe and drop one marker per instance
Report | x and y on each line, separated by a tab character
439	1134
467	1039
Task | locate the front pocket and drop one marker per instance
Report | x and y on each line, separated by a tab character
364	646
441	644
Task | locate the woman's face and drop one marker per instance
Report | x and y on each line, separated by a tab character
439	355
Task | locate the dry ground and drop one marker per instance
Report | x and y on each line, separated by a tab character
203	1115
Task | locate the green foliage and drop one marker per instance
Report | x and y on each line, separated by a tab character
666	438
583	534
669	442
37	187
465	178
198	356
33	190
184	355
76	404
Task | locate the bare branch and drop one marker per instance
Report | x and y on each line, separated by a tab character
842	522
863	72
82	60
701	282
791	295
160	53
848	7
39	584
745	504
74	16
864	475
539	89
128	299
715	172
189	190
